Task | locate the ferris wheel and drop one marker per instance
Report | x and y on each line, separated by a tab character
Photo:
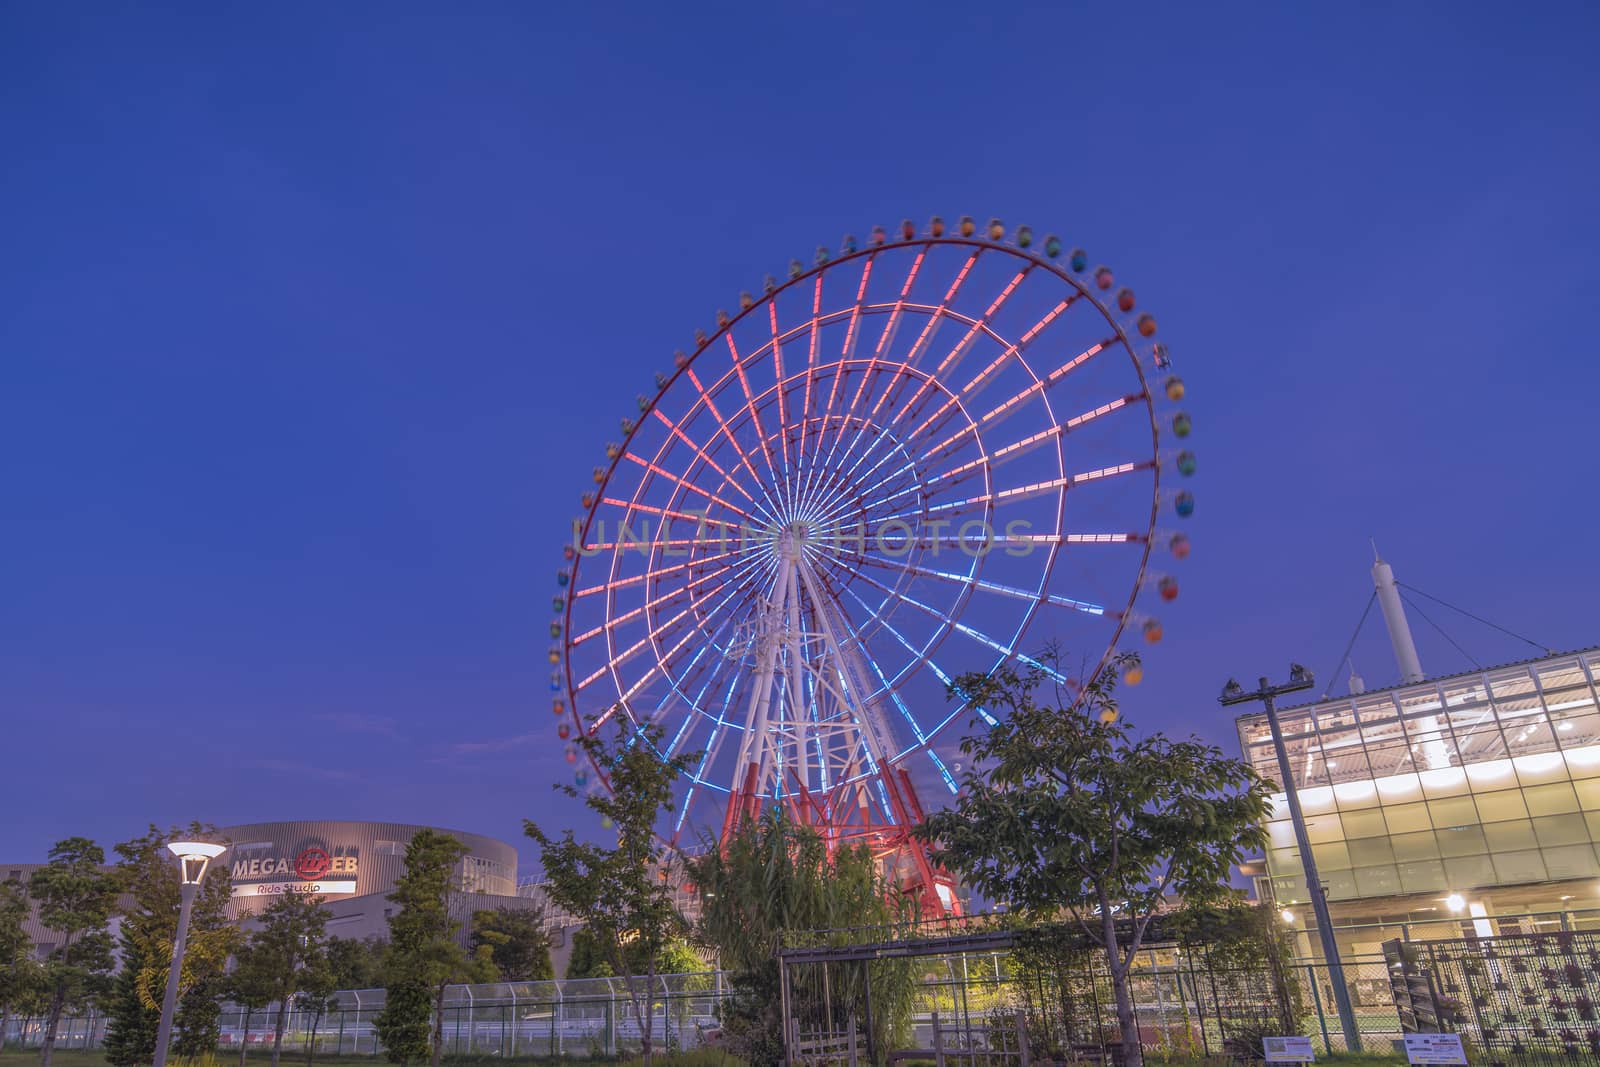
928	453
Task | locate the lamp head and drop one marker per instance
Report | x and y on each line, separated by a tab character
194	857
1300	677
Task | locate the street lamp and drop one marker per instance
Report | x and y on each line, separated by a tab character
1234	693
193	859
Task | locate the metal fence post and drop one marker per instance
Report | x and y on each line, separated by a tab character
1316	1003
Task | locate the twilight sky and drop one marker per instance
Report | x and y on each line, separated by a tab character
313	321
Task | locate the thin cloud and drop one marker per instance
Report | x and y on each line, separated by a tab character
350	722
493	745
300	769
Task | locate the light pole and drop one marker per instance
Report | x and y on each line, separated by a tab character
1234	693
193	859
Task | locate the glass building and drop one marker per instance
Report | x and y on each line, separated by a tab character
1468	803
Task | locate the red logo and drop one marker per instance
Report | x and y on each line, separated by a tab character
312	864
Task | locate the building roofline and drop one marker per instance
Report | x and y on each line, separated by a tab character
1430	680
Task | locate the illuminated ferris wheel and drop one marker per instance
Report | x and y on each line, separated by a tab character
929	453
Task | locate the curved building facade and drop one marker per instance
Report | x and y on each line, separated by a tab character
340	860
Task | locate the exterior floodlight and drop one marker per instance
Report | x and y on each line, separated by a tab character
1287	916
1267	693
1455	902
193	859
1299	678
195	855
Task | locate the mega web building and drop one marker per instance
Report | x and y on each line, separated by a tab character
1457	806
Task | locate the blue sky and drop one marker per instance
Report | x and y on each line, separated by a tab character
313	321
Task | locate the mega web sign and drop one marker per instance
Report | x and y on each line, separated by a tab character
313	867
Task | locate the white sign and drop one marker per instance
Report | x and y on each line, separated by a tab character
273	889
1292	1049
1435	1048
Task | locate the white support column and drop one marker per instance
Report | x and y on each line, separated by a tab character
1394	617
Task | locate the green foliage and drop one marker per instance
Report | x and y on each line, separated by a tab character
1250	957
516	942
424	955
773	878
621	893
147	875
19	974
76	899
587	959
357	964
1065	812
289	951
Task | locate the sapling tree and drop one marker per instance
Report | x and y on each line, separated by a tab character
622	894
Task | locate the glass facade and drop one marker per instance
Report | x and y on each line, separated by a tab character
1463	783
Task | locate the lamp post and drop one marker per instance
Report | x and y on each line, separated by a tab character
193	859
1299	679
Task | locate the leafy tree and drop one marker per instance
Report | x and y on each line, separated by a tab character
587	959
357	964
773	877
146	876
516	942
424	955
288	949
1063	811
76	898
621	893
250	987
318	984
18	971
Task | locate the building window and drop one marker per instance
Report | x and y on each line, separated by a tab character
389	848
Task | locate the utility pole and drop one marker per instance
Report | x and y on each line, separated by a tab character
1267	694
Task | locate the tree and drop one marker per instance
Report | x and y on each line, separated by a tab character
248	986
76	898
587	959
516	942
316	997
1065	812
348	964
424	957
148	879
773	877
18	971
358	964
288	949
621	893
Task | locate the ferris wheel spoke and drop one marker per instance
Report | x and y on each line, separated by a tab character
884	340
963	346
750	406
722	424
727	478
920	656
983	376
930	327
782	394
847	355
811	369
683	483
1023	492
958	626
648	605
1032	596
1012	405
1017	449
